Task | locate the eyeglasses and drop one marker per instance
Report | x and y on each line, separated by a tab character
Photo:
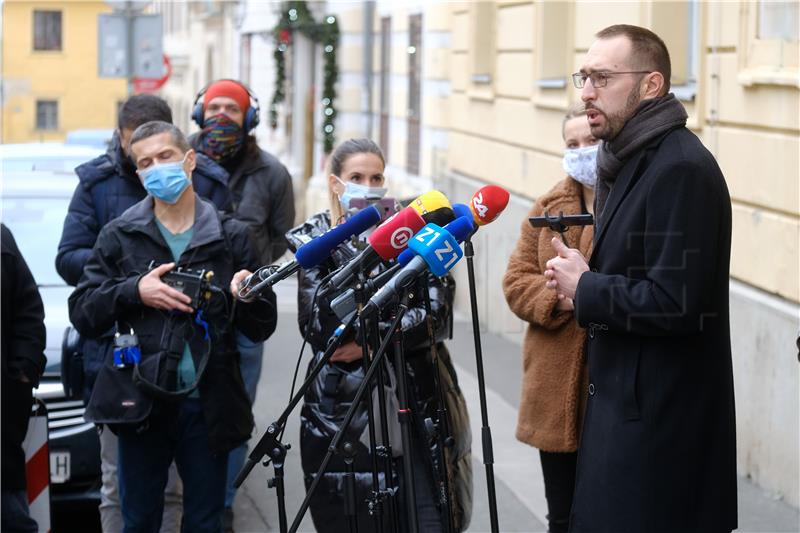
599	79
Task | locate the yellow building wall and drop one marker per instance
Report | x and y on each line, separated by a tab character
510	133
68	76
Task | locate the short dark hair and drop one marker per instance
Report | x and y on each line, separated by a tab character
155	127
143	108
648	51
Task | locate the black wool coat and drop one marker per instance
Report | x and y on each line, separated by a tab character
658	448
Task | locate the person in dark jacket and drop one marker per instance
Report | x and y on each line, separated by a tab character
188	402
22	346
658	447
227	113
357	167
108	186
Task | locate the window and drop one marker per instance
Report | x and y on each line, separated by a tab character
385	80
47	30
769	44
46	115
484	44
553	54
779	20
414	86
678	25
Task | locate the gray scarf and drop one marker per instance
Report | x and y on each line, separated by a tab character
652	118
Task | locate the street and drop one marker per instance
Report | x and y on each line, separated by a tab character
520	492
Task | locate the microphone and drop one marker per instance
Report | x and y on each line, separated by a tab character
385	243
437	250
433	206
313	252
345	303
488	203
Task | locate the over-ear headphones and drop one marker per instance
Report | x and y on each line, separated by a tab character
251	116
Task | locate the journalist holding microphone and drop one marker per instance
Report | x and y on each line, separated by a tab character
554	376
356	174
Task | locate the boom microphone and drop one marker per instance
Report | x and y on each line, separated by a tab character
313	252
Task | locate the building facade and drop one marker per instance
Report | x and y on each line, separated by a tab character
50	82
460	94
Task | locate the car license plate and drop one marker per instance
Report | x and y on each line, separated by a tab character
59	467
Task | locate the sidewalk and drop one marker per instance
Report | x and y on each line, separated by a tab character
518	479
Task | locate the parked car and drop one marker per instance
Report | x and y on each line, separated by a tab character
97	137
34	205
50	156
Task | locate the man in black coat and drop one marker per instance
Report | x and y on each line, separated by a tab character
658	448
108	185
22	353
180	395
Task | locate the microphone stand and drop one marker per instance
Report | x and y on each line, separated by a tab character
440	429
486	432
337	438
270	443
385	450
375	503
404	417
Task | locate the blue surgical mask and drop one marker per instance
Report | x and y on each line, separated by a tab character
355	190
581	164
165	181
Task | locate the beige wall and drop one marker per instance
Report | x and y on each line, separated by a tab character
506	129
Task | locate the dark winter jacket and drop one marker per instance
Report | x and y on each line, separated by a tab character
334	388
107	295
108	186
263	198
22	353
658	448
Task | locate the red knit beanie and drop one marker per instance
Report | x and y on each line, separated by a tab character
228	88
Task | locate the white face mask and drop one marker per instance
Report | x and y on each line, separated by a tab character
581	164
354	190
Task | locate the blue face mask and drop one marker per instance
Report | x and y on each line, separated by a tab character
165	181
355	190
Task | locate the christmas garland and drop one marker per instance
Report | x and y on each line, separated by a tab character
296	17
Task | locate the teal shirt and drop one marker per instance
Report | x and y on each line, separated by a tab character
177	243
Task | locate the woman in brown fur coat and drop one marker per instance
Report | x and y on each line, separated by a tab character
554	369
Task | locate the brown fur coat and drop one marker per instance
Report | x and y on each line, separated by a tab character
554	381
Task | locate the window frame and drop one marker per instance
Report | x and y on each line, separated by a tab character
756	56
38	124
47	30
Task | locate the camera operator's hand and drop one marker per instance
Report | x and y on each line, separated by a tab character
237	280
155	293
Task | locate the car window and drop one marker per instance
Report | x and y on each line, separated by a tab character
36	224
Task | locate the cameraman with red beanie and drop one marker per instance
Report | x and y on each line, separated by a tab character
261	192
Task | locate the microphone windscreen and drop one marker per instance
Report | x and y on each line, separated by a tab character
462	210
488	203
391	237
316	251
459	228
429	202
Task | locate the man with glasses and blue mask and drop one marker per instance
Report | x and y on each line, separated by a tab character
658	447
194	408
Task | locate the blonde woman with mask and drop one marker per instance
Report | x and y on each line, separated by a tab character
554	370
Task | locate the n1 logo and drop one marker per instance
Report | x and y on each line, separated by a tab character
427	235
477	203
